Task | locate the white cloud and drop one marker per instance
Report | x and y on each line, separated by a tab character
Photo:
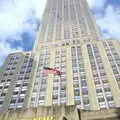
5	49
110	22
14	17
15	13
96	4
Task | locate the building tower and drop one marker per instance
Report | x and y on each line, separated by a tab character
65	20
68	41
65	23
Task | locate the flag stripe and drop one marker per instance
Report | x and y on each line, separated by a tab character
54	70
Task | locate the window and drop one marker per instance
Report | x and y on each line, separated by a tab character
5	74
99	90
13	101
55	96
2	81
11	73
22	72
8	80
1	102
41	97
20	78
26	77
25	84
15	93
86	101
62	95
102	74
110	98
22	92
77	92
84	91
13	68
18	85
55	88
63	87
75	78
10	63
8	69
97	82
5	87
76	85
3	94
21	100
105	81
107	89
33	99
101	99
83	82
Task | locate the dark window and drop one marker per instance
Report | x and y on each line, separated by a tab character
15	93
26	77
13	68
22	92
3	94
25	61
84	91
5	87
18	85
86	101
22	72
77	92
25	84
2	81
63	87
28	71
42	98
107	89
97	82
55	96
5	74
98	90
8	80
1	102
9	63
105	81
21	100
20	78
11	73
110	98
55	88
101	99
8	69
13	101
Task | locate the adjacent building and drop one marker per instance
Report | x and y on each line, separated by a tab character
15	79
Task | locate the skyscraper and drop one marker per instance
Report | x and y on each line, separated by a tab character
66	41
69	41
65	20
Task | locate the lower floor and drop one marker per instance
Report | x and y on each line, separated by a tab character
59	113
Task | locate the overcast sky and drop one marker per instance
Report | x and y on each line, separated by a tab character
19	20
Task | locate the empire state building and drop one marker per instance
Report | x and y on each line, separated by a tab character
68	41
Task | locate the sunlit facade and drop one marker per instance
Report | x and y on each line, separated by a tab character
69	41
